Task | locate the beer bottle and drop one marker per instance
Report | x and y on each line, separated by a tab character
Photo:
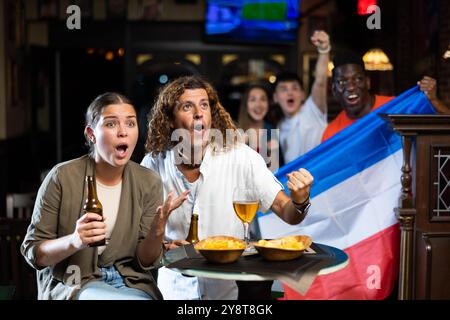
93	204
192	236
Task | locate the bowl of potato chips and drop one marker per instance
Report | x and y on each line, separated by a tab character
221	249
283	249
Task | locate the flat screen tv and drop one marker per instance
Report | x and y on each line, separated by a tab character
252	21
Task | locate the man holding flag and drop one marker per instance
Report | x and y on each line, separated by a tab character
357	173
351	85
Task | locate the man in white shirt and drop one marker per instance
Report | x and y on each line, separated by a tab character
303	121
207	166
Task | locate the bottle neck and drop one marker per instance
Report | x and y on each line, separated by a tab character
92	188
193	229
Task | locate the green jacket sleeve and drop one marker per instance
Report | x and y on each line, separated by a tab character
153	198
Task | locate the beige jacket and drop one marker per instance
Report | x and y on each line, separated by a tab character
59	205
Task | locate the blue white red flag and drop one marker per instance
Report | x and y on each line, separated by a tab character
356	188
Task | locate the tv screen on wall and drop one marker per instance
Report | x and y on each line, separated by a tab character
252	21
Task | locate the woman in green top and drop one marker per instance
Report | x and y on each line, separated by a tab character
58	238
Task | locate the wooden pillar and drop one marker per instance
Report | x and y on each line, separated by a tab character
405	214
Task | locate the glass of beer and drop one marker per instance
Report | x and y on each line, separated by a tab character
245	204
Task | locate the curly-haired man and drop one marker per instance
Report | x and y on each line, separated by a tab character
205	167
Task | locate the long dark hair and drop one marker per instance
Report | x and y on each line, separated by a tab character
244	119
95	109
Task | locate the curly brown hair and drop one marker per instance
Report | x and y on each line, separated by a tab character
162	114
